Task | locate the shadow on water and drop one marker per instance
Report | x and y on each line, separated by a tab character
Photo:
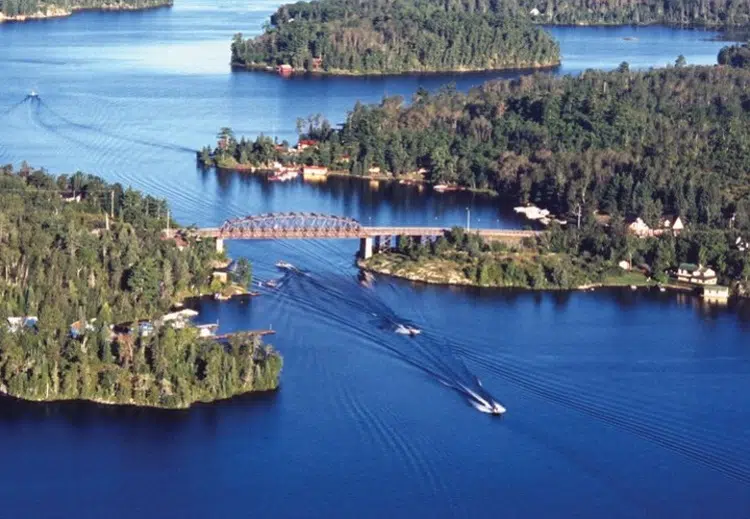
80	413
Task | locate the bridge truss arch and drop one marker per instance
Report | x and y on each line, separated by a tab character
291	225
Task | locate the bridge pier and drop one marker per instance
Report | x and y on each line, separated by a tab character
219	245
365	248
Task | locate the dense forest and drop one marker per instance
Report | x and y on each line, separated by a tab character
566	258
78	250
395	36
12	8
669	141
735	56
715	13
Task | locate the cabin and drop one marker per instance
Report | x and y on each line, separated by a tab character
624	265
674	224
315	172
221	275
79	328
15	324
716	293
640	228
696	274
285	69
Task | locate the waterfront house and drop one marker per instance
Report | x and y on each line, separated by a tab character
716	293
285	69
624	265
207	330
221	275
696	274
178	319
314	172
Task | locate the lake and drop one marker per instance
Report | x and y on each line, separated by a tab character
624	404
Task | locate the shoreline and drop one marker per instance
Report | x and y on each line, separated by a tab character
646	283
255	67
340	173
53	11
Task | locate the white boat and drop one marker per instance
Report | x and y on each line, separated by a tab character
633	287
33	94
407	330
271	283
284	265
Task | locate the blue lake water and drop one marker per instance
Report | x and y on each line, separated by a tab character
621	404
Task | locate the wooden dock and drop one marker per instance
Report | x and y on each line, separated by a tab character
259	333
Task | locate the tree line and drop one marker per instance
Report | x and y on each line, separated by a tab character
387	36
714	13
77	249
25	7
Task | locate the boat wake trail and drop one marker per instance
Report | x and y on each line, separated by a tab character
359	308
64	121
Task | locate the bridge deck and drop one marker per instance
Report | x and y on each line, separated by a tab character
363	232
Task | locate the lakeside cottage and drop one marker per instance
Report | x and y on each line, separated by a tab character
696	274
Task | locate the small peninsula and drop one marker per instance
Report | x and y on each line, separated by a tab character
87	283
384	37
25	10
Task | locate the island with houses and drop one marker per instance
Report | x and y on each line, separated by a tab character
92	300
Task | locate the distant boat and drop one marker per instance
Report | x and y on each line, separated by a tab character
33	94
271	283
633	287
284	265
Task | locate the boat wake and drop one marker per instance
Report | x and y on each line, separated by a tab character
359	308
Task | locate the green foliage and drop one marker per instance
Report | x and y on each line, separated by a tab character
639	12
386	37
668	141
58	261
735	56
25	7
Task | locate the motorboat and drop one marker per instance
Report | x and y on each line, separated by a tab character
496	408
271	283
33	94
407	330
284	265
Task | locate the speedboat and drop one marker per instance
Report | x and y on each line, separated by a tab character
407	330
496	408
33	94
271	283
284	265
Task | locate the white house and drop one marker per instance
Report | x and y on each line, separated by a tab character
640	228
534	12
696	274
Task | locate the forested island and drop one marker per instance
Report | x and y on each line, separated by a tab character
392	37
85	278
22	10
